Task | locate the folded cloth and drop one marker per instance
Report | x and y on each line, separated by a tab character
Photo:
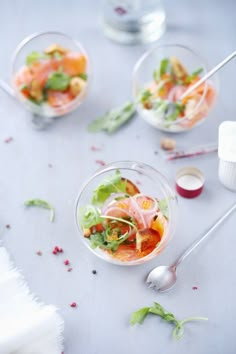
27	326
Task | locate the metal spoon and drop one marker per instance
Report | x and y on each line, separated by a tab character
163	278
38	121
208	75
171	106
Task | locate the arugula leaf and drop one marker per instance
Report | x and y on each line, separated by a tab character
83	76
157	309
89	216
24	87
35	56
111	184
177	108
163	67
41	204
160	105
97	240
58	81
194	75
145	96
32	57
57	55
163	206
100	239
140	315
113	119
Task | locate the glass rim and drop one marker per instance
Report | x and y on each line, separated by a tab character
149	52
70	105
127	165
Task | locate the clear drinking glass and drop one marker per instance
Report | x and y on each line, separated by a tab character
152	183
38	42
142	77
133	21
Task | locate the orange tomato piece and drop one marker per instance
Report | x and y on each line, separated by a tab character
58	98
99	228
158	226
23	76
125	253
131	188
74	63
166	76
149	239
165	89
210	95
204	107
41	70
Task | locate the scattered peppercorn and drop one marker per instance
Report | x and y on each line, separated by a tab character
194	287
39	253
100	162
120	10
95	148
73	304
69	269
66	262
8	226
94	271
57	250
8	140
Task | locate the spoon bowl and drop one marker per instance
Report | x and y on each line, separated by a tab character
162	278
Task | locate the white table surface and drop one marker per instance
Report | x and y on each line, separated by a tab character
100	323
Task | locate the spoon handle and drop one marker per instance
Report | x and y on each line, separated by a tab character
202	238
7	88
209	74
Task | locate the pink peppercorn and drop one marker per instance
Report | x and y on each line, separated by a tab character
120	10
57	250
73	304
8	140
66	262
100	162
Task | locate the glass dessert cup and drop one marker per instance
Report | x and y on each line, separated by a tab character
38	42
151	183
143	79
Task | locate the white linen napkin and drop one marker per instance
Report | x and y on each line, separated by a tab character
26	325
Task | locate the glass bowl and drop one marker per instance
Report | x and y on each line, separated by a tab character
37	43
150	182
143	79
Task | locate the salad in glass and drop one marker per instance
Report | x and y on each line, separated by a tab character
50	73
159	98
121	222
